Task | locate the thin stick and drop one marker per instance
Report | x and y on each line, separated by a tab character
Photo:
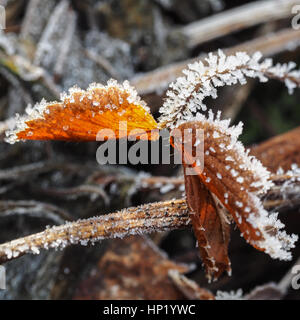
154	217
148	218
236	19
67	41
158	80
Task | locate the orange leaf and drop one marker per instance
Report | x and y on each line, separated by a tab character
210	227
82	114
234	179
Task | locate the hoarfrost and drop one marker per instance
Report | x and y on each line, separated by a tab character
186	95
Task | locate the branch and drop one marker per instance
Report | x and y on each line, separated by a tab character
159	79
155	217
148	218
201	80
236	19
34	209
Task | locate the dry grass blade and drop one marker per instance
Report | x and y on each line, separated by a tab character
80	190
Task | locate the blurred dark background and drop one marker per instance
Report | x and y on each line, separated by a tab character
49	46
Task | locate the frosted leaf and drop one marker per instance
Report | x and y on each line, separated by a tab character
79	98
239	185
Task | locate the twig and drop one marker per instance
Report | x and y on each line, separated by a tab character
63	53
189	288
285	192
34	208
59	12
43	167
34	20
236	19
82	189
28	169
158	80
155	217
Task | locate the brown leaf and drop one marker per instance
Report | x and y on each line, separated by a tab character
132	268
211	229
229	180
280	151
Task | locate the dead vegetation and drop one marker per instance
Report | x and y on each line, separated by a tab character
49	46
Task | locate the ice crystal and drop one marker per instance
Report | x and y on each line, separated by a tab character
166	188
254	180
232	295
185	104
186	95
39	109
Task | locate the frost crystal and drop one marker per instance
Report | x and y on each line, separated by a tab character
186	95
185	105
232	295
166	188
40	109
243	182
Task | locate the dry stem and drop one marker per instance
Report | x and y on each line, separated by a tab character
148	218
159	79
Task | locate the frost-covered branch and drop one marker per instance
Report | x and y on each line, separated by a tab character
148	218
157	81
187	93
154	217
